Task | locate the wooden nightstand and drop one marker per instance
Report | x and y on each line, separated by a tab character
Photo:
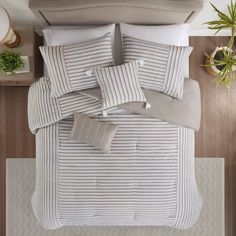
30	41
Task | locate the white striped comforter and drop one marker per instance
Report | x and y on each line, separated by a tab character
148	179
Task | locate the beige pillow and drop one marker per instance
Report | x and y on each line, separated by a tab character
93	132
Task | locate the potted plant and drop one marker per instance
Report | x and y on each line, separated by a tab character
222	61
10	62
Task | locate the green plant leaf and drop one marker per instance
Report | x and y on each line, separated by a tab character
10	62
225	21
226	75
221	15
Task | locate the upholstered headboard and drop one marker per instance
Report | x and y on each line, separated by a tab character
72	12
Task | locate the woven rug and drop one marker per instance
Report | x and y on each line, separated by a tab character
20	220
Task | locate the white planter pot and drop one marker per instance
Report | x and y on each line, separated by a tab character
213	70
25	68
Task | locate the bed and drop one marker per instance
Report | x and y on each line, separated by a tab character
148	177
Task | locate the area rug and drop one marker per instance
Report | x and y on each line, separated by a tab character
20	220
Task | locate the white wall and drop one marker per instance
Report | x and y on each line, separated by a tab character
22	15
208	14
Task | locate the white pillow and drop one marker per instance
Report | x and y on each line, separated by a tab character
64	35
177	35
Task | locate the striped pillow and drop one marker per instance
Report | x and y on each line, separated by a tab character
68	64
92	132
163	64
119	84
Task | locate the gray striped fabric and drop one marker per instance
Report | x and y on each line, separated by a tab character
43	109
163	64
119	84
90	131
147	179
67	65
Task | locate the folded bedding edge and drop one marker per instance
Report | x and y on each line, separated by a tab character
44	110
185	112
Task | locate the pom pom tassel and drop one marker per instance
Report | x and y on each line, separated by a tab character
141	62
104	114
147	105
88	72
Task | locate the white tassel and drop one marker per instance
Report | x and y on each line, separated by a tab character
147	105
141	62
104	114
88	72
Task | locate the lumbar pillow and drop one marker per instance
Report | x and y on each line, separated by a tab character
67	64
93	132
119	84
163	64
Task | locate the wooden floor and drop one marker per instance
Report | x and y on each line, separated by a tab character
15	137
216	138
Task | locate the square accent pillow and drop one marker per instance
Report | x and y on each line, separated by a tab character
119	84
67	65
93	132
163	64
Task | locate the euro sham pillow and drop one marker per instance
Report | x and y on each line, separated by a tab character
119	84
95	133
67	65
163	64
177	34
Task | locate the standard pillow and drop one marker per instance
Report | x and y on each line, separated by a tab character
67	65
177	35
163	64
64	35
119	84
92	132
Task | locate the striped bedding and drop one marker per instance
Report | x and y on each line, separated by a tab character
147	179
68	71
163	64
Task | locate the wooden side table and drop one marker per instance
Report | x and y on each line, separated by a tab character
29	46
